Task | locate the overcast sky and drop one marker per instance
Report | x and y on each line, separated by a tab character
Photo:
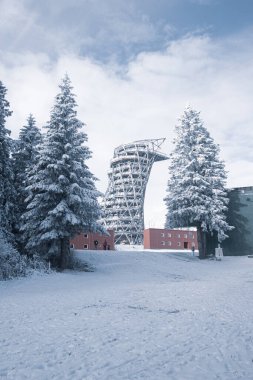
134	66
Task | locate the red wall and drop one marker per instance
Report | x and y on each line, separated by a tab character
155	238
86	240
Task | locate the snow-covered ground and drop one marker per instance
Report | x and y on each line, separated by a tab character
139	315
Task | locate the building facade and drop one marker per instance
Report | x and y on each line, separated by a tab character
124	200
240	215
93	241
155	238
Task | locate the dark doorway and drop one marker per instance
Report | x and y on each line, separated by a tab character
185	244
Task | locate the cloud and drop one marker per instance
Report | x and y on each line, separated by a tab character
16	22
144	100
11	11
100	29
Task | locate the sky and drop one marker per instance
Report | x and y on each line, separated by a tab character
134	66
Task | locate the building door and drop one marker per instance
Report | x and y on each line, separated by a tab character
185	244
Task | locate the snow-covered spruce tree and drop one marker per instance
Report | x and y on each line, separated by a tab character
62	197
7	190
12	264
196	194
24	156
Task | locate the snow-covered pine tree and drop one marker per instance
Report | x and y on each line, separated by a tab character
7	190
24	157
196	194
63	197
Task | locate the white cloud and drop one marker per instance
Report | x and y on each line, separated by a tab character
15	23
144	101
96	28
11	11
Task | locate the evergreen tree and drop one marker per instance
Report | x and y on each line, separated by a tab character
24	157
62	197
7	191
12	264
196	193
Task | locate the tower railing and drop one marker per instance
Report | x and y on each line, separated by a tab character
123	203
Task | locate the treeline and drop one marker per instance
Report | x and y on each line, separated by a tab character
47	192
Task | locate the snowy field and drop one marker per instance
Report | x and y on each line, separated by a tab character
139	315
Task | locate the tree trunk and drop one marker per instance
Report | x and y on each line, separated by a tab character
201	235
65	253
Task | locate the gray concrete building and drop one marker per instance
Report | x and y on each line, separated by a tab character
240	215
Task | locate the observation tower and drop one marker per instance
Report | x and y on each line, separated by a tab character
123	204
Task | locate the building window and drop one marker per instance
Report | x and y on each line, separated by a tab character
185	236
179	243
85	235
178	235
169	243
169	234
85	246
163	242
162	234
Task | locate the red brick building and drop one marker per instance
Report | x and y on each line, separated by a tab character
90	240
155	238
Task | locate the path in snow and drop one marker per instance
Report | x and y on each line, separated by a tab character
140	315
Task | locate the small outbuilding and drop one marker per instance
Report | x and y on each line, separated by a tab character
93	241
155	238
